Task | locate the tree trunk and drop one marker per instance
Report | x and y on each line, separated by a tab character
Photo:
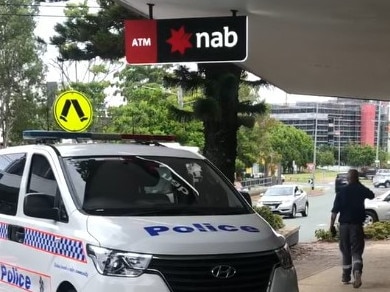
221	130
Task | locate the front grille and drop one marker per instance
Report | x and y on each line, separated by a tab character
193	273
272	203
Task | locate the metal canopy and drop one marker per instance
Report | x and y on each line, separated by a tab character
323	48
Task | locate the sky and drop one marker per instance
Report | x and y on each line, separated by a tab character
52	13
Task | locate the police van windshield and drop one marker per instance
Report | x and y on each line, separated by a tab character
151	186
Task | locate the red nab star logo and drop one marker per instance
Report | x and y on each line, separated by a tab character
179	40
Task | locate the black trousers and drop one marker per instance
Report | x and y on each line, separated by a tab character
352	247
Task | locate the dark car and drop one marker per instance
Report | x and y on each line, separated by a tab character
367	173
341	180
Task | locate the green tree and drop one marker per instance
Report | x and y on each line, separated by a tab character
325	158
21	68
254	144
383	158
219	108
292	144
102	34
146	108
358	155
147	112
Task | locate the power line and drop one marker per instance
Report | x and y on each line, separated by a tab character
47	6
31	15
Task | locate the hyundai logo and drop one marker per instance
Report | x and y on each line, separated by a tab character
223	272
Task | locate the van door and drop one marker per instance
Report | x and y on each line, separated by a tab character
43	249
13	277
56	244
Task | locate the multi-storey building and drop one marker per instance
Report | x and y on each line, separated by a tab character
338	122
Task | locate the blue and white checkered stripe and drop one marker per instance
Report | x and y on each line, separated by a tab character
62	246
3	230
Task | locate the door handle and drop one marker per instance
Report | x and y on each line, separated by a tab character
16	233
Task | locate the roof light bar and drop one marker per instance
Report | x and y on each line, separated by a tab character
40	135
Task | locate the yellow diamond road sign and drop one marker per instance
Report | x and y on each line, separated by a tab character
73	111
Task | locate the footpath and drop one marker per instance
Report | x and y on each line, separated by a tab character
318	267
318	264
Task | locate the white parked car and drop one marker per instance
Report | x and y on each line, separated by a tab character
378	209
381	179
285	200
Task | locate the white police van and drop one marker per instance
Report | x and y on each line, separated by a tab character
129	217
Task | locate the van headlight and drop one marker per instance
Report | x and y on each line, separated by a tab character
284	256
111	262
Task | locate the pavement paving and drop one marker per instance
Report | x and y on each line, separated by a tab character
376	273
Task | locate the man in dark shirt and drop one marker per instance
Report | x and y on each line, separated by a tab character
349	204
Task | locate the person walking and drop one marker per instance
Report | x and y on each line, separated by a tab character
349	204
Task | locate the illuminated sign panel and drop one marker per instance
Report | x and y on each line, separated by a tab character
217	39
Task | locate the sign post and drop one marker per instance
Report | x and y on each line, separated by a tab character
73	111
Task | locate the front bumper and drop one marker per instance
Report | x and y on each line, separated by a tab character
281	280
284	280
144	283
282	208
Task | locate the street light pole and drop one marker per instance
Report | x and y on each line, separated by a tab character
378	133
315	148
339	132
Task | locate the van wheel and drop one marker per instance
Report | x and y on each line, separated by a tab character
66	288
387	184
293	211
306	211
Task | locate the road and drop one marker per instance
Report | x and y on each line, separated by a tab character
319	213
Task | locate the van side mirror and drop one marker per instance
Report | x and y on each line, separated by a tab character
247	197
40	206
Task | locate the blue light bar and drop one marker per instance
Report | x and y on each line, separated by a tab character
40	135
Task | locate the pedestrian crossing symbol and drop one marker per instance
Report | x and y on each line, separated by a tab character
73	111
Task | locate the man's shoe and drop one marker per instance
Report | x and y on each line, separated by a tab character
358	279
345	278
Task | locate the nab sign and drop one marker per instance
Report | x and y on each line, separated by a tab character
201	40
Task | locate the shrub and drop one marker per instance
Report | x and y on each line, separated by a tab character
375	231
325	235
378	231
275	220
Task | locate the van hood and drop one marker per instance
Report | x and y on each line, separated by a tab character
187	235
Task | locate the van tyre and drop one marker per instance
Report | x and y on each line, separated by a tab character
293	211
387	184
306	211
67	289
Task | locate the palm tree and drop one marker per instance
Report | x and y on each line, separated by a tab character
219	108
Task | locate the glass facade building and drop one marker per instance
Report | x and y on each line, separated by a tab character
339	121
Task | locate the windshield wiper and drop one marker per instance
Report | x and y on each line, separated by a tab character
168	211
